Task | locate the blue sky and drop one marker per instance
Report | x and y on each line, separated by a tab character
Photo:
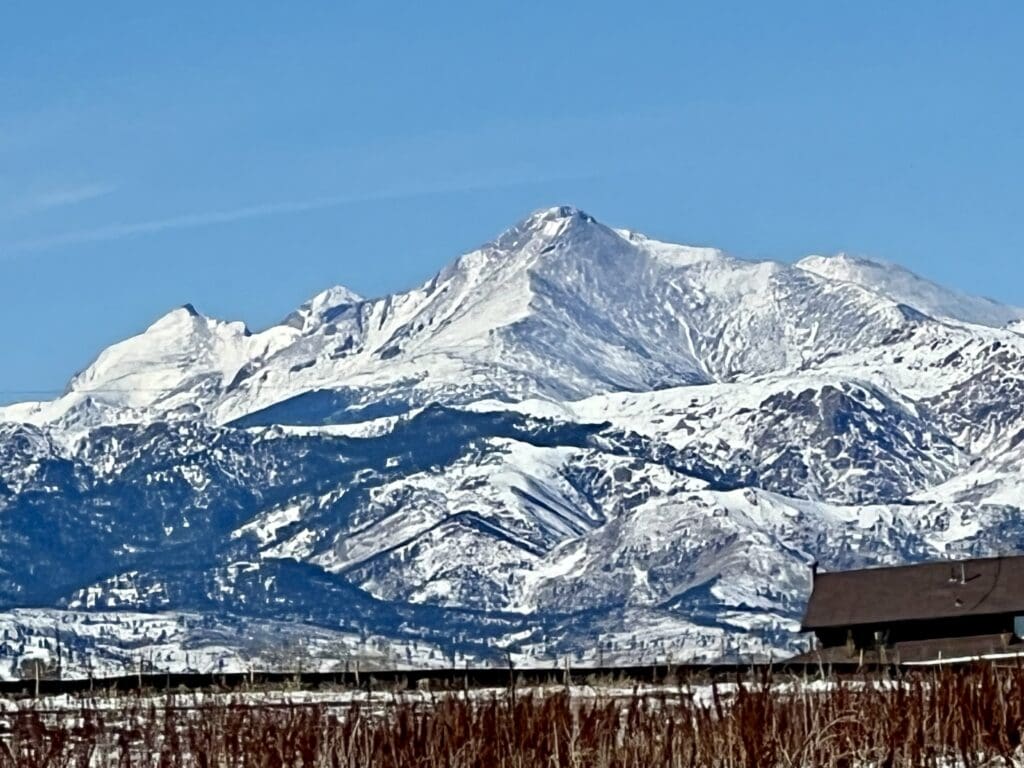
243	156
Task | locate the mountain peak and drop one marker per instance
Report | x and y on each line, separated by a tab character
557	216
185	315
842	262
558	213
901	285
555	220
547	224
323	307
334	296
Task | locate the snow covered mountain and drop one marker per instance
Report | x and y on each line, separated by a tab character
572	439
559	307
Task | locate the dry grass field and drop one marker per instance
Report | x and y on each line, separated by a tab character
939	717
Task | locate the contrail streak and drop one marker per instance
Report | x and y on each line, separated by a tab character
208	218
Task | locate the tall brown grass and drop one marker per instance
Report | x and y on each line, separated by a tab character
940	718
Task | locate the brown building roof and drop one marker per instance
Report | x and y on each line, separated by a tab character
916	651
936	590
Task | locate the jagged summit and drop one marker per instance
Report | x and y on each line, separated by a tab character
546	224
179	316
323	307
334	296
557	213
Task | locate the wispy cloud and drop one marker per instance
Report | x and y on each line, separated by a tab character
183	221
69	195
50	198
208	218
